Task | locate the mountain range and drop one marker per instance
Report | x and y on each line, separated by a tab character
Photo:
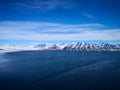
79	46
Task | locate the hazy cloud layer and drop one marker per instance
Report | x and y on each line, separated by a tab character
53	31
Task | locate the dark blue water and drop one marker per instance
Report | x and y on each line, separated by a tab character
60	70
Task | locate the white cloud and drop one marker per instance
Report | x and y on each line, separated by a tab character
88	15
52	31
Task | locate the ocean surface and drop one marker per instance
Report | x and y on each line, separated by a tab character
60	70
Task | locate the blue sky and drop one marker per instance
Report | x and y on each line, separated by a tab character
30	21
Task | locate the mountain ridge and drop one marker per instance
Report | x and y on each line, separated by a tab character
83	46
78	46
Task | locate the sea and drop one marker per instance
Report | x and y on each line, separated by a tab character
60	70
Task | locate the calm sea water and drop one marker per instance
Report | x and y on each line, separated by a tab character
60	70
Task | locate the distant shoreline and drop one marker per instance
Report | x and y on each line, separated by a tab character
9	51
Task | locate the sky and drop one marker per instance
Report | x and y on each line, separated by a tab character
33	21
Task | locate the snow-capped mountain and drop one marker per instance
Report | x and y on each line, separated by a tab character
50	46
83	46
43	46
80	46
